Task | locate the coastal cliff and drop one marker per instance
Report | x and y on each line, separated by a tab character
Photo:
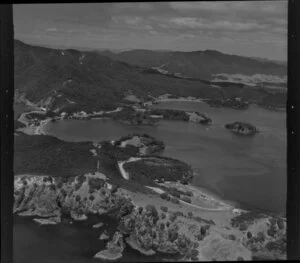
173	231
157	211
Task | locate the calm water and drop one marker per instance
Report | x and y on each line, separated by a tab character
76	243
250	171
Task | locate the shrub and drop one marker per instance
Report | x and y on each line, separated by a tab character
77	198
164	209
63	192
203	230
186	199
243	226
164	196
162	226
154	234
168	224
77	186
175	201
52	187
174	192
190	214
232	237
260	237
189	193
246	217
179	213
194	254
163	215
59	185
240	259
172	217
172	234
92	197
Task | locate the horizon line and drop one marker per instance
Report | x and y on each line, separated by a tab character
132	49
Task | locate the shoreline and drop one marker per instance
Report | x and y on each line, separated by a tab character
40	130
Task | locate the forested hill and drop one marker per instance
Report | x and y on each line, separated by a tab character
89	80
77	80
199	64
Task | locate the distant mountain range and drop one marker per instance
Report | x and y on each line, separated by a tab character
77	80
199	64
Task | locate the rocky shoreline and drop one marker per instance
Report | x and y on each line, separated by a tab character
171	217
182	230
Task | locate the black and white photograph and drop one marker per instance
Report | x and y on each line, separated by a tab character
150	131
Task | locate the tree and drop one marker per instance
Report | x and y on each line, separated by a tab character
164	196
280	223
164	209
126	209
249	235
172	234
77	198
151	211
272	231
172	217
140	210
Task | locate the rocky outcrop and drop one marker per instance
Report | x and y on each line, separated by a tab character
148	234
199	118
104	236
241	128
132	242
70	198
100	224
114	248
144	228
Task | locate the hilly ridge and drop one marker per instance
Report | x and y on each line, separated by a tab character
92	81
199	64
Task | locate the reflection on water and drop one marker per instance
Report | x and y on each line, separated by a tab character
249	170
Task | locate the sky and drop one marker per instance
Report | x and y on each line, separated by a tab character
247	28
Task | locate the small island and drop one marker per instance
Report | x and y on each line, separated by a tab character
242	128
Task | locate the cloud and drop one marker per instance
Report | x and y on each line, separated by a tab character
275	7
172	25
129	20
51	29
207	6
198	23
